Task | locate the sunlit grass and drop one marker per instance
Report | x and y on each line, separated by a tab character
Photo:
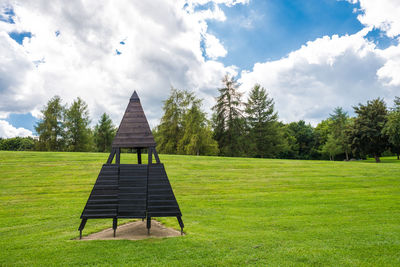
236	211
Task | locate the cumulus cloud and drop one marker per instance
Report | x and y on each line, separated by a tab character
334	70
214	48
325	73
7	130
382	14
102	51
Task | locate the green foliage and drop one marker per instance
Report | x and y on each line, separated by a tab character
264	132
17	143
171	130
366	133
51	126
228	122
392	128
332	147
184	128
104	133
302	145
340	122
78	133
197	135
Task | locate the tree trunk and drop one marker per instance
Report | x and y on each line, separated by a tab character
347	156
377	159
398	156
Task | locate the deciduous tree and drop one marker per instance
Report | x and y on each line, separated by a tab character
392	128
170	130
51	127
366	133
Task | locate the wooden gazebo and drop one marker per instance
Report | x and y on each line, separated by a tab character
132	190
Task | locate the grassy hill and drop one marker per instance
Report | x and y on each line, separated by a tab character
237	211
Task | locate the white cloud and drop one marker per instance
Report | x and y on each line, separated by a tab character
334	71
162	48
382	14
214	48
325	73
7	130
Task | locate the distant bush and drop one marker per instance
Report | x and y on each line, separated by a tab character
17	143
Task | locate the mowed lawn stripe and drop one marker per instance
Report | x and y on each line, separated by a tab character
237	211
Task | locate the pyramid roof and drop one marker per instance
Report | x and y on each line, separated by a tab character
134	130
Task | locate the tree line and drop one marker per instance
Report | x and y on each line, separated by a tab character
236	128
251	128
66	128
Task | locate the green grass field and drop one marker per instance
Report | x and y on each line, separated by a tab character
236	211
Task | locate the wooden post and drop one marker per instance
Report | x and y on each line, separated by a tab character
115	224
118	156
150	155
139	155
148	224
81	226
111	157
156	155
180	223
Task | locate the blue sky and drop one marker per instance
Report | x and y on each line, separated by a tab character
269	30
311	56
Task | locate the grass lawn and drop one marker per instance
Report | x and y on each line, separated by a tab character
236	211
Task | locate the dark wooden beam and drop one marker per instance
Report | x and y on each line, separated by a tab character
156	155
150	155
148	225
139	155
81	226
111	157
115	224
180	223
118	155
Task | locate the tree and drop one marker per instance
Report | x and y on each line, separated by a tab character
51	127
77	126
17	143
104	133
392	128
366	134
304	136
170	130
197	134
228	122
322	132
262	120
332	147
340	121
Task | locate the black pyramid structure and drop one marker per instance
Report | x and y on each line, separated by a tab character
132	190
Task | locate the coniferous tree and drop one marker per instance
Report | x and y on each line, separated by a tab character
366	133
104	133
340	121
392	128
265	136
51	126
228	121
77	126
